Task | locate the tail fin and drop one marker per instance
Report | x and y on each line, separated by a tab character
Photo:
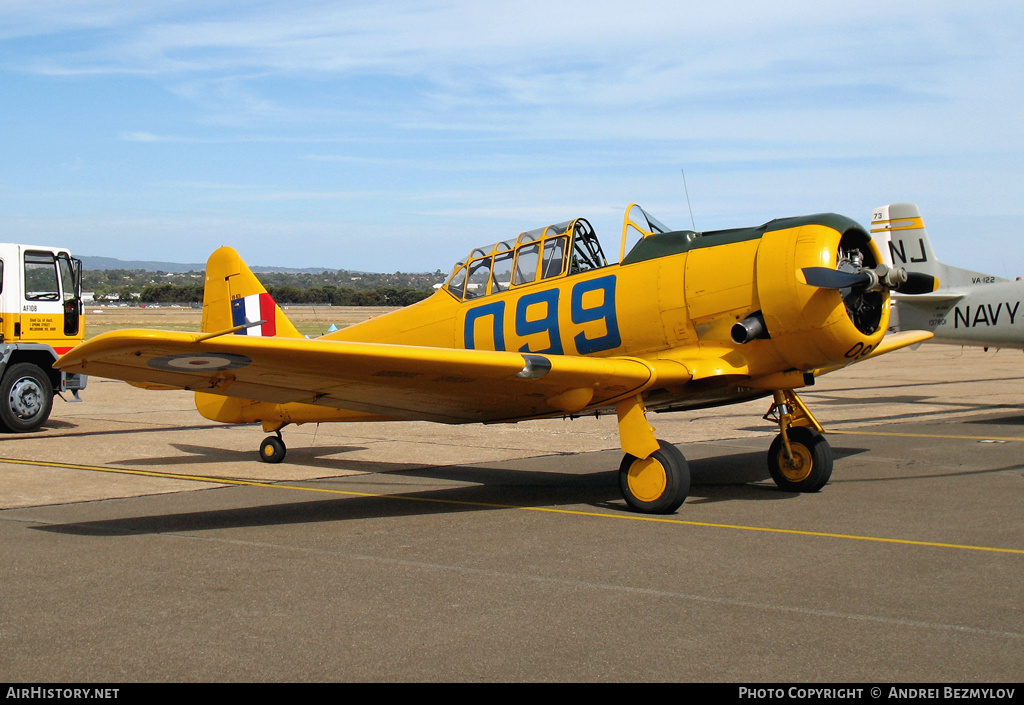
234	296
899	232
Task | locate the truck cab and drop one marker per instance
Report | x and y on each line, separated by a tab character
41	318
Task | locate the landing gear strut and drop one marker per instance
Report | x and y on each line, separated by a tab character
272	449
799	459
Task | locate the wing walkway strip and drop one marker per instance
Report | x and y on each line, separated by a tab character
631	517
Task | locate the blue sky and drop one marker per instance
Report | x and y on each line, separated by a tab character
387	136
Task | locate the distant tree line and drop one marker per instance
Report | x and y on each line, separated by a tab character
343	296
193	293
359	289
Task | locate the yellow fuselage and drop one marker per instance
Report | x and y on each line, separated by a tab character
672	303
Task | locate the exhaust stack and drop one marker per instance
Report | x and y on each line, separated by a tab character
750	328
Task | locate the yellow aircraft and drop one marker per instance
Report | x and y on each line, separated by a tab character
542	326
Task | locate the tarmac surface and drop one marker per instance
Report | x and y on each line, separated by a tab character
141	543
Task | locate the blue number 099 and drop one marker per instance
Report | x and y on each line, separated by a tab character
546	301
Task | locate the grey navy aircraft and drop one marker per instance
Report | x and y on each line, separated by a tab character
968	308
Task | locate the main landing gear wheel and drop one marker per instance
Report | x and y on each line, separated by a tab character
657	484
272	449
811	466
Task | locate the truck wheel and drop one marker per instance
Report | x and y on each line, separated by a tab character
26	398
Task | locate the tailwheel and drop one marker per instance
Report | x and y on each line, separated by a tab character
657	484
811	465
272	449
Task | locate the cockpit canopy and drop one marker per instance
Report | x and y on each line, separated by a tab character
545	253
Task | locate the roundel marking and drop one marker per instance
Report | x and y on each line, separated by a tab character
195	362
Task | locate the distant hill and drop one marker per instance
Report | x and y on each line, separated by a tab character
104	263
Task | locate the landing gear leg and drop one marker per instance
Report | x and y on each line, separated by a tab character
653	476
272	449
799	459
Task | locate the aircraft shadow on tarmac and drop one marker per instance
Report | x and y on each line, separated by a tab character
951	408
307	457
498	486
828	399
1016	420
66	429
931	384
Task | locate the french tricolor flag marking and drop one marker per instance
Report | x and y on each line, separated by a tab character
257	307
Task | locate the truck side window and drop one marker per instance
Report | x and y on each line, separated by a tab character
41	277
67	277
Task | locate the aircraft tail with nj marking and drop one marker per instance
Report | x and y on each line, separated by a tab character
899	232
235	298
967	308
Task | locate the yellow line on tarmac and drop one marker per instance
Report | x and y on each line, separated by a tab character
601	515
924	435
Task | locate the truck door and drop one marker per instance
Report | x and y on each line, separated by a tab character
71	291
42	307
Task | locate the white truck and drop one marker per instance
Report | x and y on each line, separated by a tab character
41	318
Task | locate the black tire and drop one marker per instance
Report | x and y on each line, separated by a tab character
26	398
272	450
658	484
812	456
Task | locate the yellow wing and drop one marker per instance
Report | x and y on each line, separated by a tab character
395	381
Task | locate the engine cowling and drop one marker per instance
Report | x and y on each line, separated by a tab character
813	327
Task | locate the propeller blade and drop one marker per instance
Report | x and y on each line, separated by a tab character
825	278
918	283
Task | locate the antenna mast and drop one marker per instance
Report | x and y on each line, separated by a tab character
694	225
